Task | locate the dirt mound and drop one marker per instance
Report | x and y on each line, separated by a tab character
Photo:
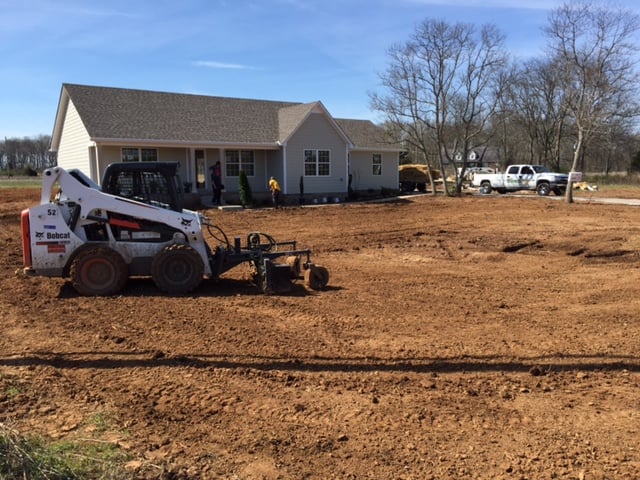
479	337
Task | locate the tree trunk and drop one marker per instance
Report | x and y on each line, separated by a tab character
576	158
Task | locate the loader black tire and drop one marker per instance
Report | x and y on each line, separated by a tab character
177	268
98	271
316	277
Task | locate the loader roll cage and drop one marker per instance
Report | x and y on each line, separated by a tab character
159	186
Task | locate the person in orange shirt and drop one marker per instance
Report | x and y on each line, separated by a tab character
274	186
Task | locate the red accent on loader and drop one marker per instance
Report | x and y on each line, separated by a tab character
26	238
119	222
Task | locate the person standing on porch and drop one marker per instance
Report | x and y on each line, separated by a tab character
274	186
216	183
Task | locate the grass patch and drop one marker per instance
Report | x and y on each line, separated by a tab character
32	458
626	181
617	187
20	182
12	392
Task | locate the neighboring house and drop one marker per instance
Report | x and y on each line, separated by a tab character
96	126
480	157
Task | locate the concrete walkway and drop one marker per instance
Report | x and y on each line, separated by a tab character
611	201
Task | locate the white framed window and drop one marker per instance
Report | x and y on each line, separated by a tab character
376	164
317	163
236	160
133	154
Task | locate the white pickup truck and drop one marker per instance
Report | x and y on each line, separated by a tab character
522	177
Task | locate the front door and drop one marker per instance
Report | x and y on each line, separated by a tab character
201	170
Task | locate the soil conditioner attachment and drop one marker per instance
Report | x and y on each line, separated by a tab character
134	225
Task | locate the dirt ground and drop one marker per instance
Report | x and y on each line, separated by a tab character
479	337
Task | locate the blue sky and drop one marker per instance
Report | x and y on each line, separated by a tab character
292	50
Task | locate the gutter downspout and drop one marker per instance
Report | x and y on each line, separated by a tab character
94	164
348	167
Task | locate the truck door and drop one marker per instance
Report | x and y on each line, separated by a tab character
512	178
526	177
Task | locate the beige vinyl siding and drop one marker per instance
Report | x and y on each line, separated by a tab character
256	181
316	133
361	169
113	154
73	151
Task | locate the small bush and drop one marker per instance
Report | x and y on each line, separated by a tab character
388	192
246	196
29	171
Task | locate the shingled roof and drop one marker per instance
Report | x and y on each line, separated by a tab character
365	134
118	114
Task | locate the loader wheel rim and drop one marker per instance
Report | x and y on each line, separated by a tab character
316	277
177	269
98	271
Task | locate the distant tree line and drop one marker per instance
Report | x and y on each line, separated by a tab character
453	90
26	155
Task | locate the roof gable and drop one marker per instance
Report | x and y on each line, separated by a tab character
291	118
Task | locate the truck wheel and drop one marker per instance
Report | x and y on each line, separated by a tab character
98	271
543	189
485	188
559	191
177	268
316	277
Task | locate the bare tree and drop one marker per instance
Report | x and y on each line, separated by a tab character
594	50
536	100
402	105
442	88
26	152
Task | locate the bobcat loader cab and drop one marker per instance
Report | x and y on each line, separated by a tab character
134	225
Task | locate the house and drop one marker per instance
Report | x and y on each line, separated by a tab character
300	144
481	157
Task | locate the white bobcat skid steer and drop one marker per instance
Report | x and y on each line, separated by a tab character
133	226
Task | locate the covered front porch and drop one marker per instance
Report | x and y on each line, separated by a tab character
259	164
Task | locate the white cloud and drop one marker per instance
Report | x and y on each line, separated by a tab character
221	65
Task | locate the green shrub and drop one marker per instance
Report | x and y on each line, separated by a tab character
388	192
29	171
246	196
